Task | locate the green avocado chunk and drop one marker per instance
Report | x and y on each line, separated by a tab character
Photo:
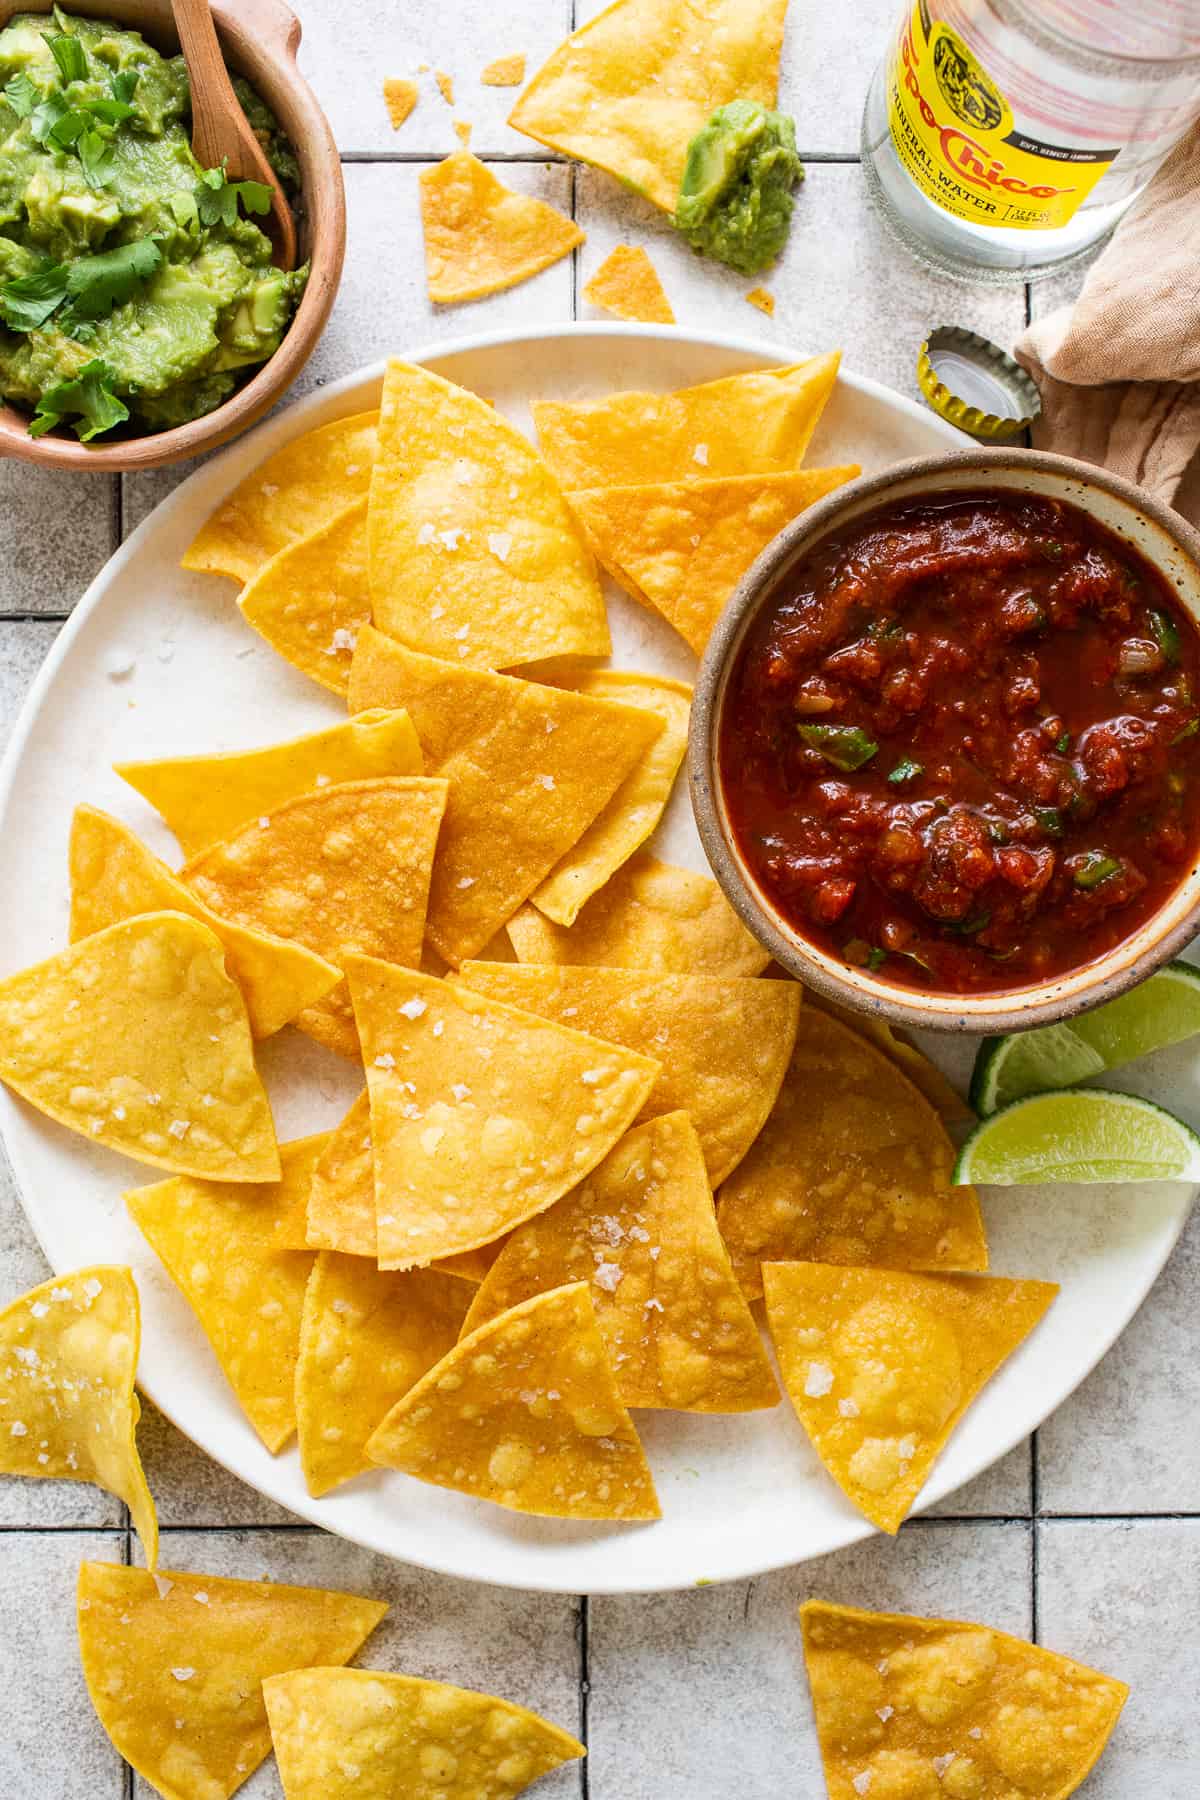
136	289
735	199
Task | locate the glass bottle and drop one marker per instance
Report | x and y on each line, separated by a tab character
1003	138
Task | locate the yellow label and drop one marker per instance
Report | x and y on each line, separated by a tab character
954	133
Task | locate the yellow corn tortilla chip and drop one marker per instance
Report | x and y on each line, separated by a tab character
754	424
506	71
627	285
641	1231
638	804
68	1412
481	236
724	1045
462	131
881	1365
529	768
681	547
204	799
445	85
525	1412
302	486
923	1074
342	869
399	96
629	91
853	1166
219	1245
474	554
174	1664
763	299
365	1338
114	876
311	600
138	1039
291	1191
354	1734
650	915
939	1709
481	1115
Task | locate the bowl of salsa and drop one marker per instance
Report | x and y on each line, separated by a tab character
945	752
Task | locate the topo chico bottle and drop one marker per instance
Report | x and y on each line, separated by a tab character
1002	138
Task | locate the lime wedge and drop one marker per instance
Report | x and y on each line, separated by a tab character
1079	1134
1162	1010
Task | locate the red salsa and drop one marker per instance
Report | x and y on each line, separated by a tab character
960	746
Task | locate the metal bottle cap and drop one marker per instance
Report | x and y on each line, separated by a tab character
975	385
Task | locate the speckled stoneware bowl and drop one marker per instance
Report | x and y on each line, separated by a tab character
259	39
1162	537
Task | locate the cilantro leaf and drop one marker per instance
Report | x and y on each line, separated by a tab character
46	115
88	395
95	156
67	129
109	112
69	54
217	199
28	301
124	85
21	94
95	284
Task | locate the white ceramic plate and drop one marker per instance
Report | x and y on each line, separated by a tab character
740	1495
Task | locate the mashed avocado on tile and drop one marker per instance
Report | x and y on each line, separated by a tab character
735	199
134	285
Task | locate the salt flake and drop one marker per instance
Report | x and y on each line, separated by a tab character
818	1382
412	1009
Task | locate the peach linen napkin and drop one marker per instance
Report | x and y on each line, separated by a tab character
1119	371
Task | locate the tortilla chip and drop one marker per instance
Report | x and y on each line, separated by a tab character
365	1338
445	85
219	1246
204	799
341	1200
68	1412
399	96
853	1166
506	71
462	131
681	547
175	1663
525	1412
138	1039
302	486
724	1045
641	1230
474	553
638	804
341	869
881	1365
630	90
650	915
764	301
754	424
913	1708
480	236
529	768
354	1734
481	1115
627	285
114	876
923	1074
291	1191
311	600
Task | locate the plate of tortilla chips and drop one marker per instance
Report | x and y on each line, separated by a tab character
366	992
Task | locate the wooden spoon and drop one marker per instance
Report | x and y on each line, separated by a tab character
220	129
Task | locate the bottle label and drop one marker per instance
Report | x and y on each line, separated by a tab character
955	136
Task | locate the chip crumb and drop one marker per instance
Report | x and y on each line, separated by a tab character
445	85
764	301
627	285
506	71
462	131
399	97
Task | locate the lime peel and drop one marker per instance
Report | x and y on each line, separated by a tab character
1079	1135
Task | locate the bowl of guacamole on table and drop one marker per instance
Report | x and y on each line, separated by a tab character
141	316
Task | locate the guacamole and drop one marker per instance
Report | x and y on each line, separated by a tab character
735	199
135	289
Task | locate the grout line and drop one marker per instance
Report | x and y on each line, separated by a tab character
1034	1580
585	1691
576	250
34	618
127	1777
922	1522
364	158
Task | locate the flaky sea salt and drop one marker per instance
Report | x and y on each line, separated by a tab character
412	1009
818	1381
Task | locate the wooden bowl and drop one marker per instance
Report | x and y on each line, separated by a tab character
259	38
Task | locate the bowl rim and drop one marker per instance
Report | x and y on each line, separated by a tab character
263	34
1090	984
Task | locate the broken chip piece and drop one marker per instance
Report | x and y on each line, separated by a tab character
525	1412
346	1733
881	1364
506	71
68	1412
853	1166
481	1115
640	1231
474	554
911	1707
627	285
137	1038
481	236
174	1664
114	876
311	599
205	799
399	96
